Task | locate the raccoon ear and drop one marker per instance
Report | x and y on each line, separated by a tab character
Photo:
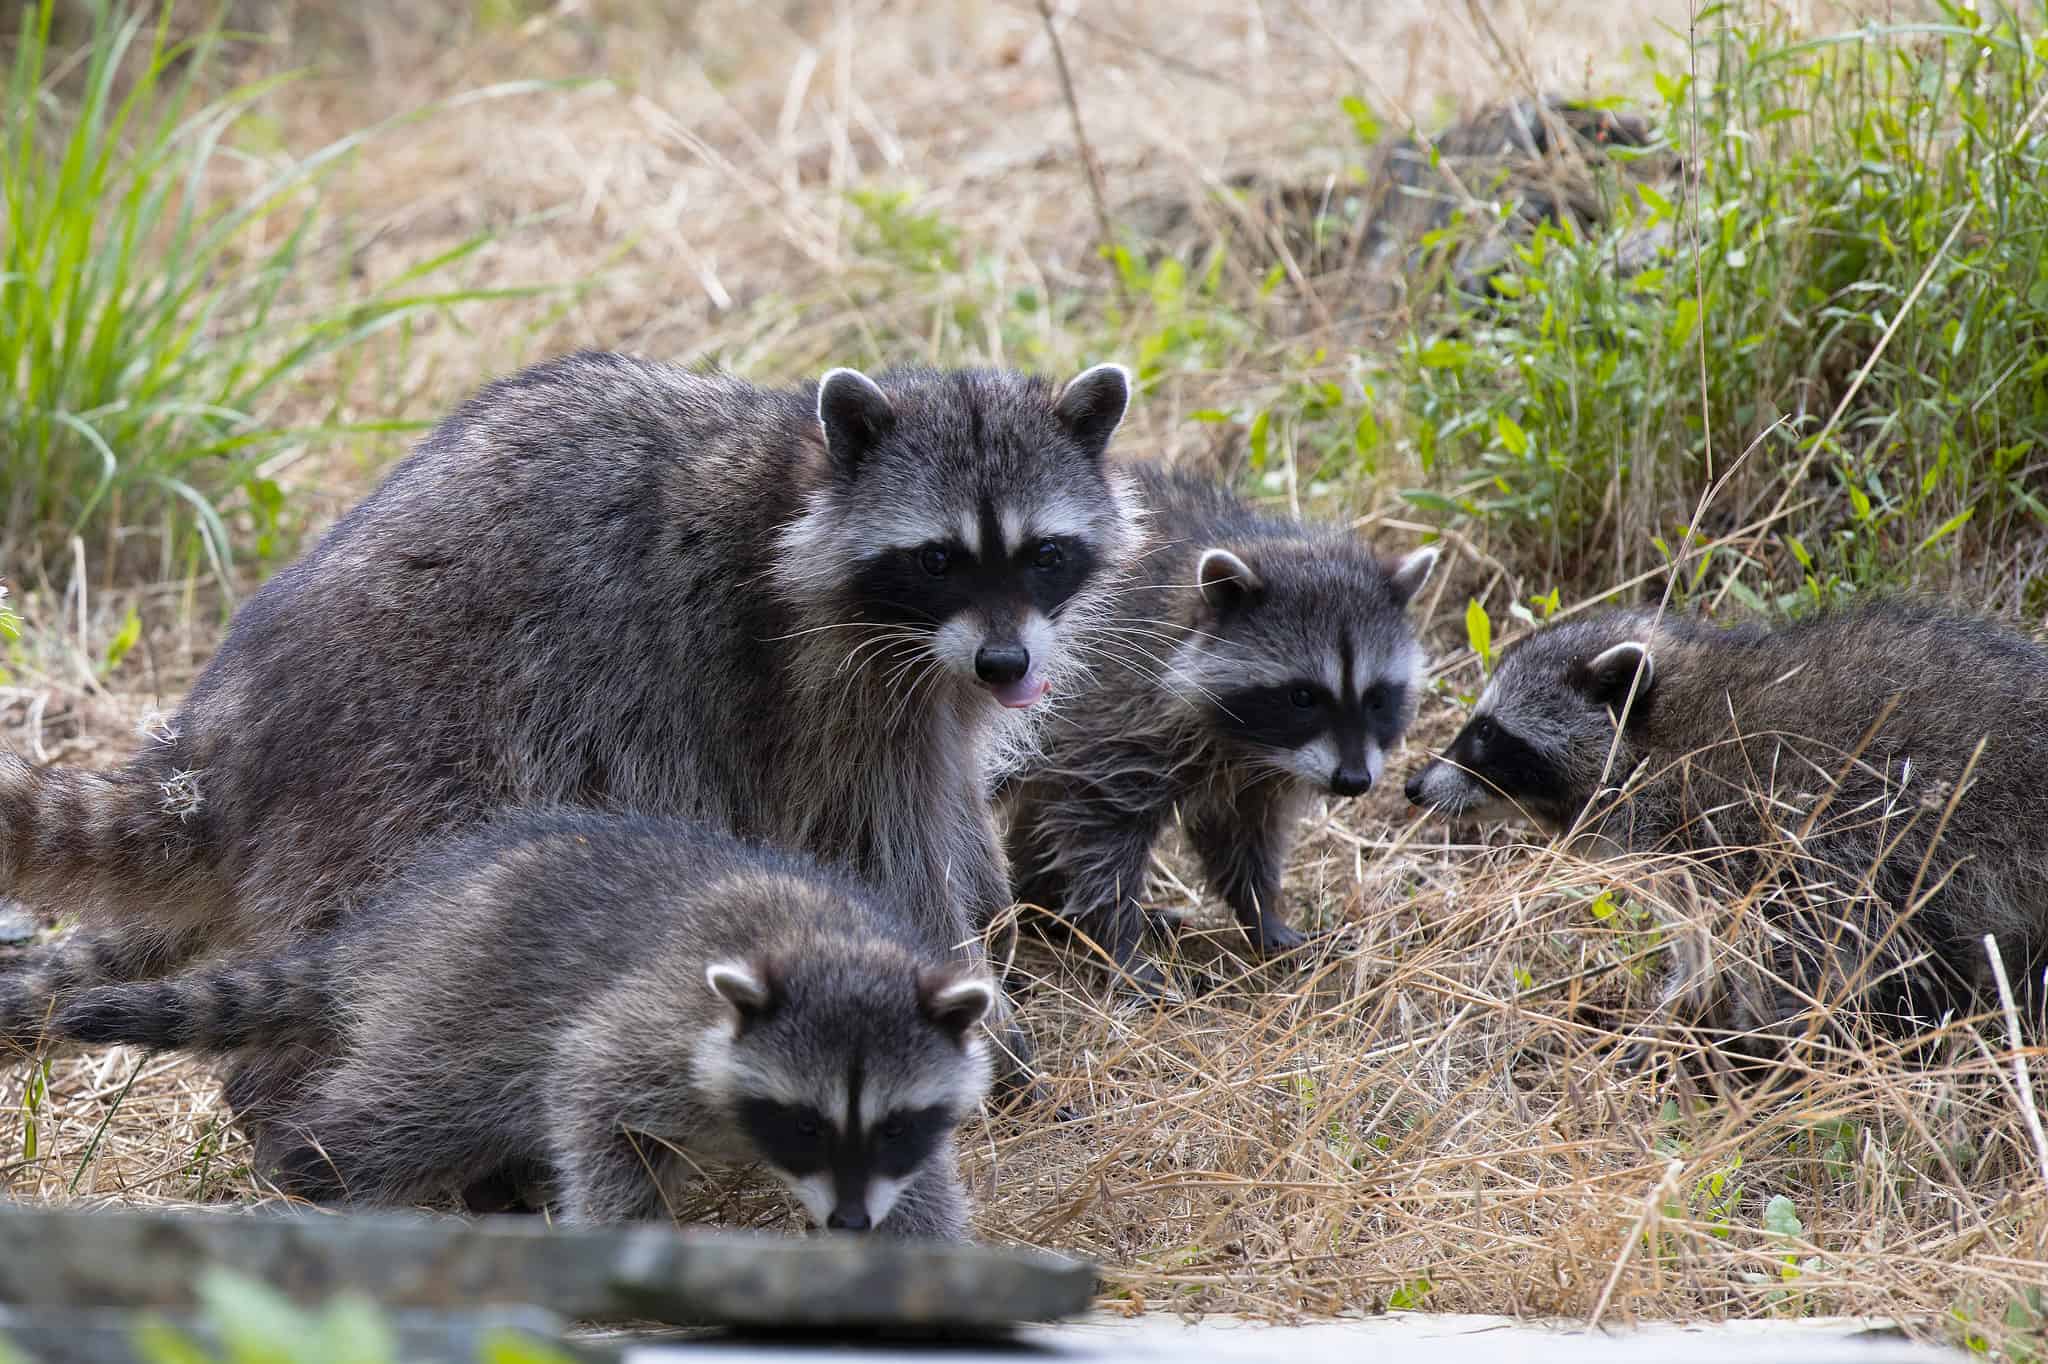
855	415
954	1001
1226	580
741	985
1092	405
1413	571
1607	676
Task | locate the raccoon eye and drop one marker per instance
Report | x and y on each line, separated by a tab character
1484	730
807	1125
934	560
894	1129
1302	697
1048	555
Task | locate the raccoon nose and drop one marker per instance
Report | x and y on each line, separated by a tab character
1413	790
848	1219
1351	781
997	664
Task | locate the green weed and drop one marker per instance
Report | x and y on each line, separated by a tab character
1869	233
147	322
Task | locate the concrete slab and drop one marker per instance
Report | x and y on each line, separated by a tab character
1391	1339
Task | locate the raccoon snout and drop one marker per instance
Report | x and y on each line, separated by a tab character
848	1219
1001	664
1351	780
1413	790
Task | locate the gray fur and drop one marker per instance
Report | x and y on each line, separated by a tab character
1815	763
1226	600
544	995
609	583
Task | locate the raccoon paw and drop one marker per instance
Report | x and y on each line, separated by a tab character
1141	979
1036	1096
1635	1058
1272	938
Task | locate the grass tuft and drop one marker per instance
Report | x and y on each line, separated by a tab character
153	291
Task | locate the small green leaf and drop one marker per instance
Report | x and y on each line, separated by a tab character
509	1347
1479	633
1364	122
1259	439
1603	905
1409	1296
1445	355
1948	527
1781	1217
1511	435
123	640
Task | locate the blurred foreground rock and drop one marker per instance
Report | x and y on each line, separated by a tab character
447	1275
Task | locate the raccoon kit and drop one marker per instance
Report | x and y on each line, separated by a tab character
1249	663
610	1000
1838	755
807	616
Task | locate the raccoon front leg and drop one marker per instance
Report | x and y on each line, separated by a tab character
1243	846
365	1157
1087	864
933	1205
608	1174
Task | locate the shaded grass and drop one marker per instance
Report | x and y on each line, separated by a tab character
155	309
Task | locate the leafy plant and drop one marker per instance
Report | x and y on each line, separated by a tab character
1869	233
257	1325
1479	633
147	322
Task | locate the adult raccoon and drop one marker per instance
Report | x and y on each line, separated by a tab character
807	616
1248	663
1835	758
606	1000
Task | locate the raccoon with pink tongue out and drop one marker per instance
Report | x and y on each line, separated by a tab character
810	616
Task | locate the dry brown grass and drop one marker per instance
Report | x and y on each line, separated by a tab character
1435	1099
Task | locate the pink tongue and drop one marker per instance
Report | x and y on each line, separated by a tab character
1025	691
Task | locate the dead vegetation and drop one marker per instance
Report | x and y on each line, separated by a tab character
1430	1111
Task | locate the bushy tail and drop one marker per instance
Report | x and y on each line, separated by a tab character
118	848
36	985
272	1002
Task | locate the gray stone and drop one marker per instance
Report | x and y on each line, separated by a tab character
17	925
693	1276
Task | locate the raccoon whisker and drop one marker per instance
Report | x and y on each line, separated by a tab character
1101	651
1151	669
907	663
815	629
905	703
1153	626
904	680
876	644
1185	634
